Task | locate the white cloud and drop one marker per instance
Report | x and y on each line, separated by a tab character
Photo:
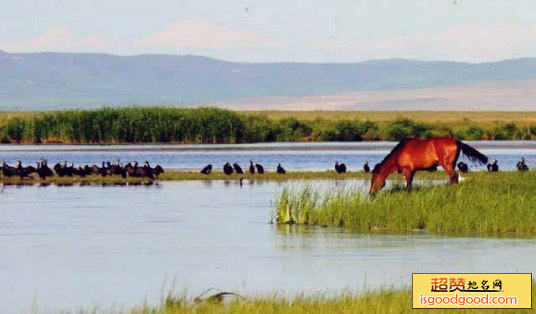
58	39
198	33
463	43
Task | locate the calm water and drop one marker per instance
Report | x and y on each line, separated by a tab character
293	156
79	246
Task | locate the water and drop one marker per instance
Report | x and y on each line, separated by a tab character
80	246
293	156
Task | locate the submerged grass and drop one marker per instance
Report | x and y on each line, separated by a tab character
383	301
485	204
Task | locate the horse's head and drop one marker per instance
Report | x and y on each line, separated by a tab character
378	179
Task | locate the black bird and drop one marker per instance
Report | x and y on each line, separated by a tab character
147	171
59	169
227	169
260	168
43	170
463	167
366	167
280	169
521	165
251	167
340	168
103	171
8	171
238	169
494	167
207	169
24	172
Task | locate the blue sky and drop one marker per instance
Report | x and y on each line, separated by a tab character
276	30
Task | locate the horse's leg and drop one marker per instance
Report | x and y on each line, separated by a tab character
408	173
451	171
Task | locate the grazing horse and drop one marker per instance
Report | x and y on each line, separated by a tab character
412	155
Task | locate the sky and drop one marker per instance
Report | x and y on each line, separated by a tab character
276	30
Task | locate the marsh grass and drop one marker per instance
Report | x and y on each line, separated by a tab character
215	126
382	301
498	204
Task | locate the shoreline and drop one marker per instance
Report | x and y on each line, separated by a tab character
273	146
179	175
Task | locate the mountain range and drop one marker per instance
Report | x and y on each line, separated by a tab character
43	81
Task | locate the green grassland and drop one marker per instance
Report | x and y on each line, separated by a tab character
379	302
485	204
212	125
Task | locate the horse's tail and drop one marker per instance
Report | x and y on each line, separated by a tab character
471	153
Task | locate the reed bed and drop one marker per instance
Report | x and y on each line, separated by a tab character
486	204
220	126
382	301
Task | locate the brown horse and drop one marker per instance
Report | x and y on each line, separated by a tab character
412	155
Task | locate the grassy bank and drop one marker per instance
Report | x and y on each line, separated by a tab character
177	175
211	125
386	301
502	204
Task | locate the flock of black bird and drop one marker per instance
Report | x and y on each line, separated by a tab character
64	169
341	168
132	169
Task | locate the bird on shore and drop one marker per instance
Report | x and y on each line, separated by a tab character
207	169
366	167
260	168
237	168
340	168
280	169
494	167
227	169
251	167
463	167
521	165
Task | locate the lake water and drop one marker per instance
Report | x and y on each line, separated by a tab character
66	248
293	156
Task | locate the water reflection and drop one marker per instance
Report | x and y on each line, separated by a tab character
65	246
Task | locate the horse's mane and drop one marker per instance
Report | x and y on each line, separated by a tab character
398	147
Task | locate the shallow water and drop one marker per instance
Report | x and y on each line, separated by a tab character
293	156
80	246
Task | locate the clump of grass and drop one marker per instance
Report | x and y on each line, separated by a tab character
487	204
382	301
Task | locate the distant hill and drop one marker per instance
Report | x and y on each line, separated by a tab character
30	81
